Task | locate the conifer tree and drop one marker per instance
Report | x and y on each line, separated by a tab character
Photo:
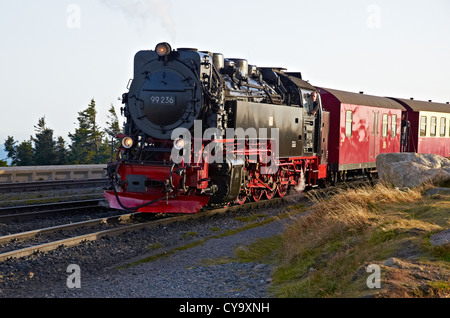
44	145
62	154
112	130
112	125
24	154
87	141
10	148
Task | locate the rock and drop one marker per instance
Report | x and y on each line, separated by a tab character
420	276
395	262
362	270
441	191
440	238
411	169
259	267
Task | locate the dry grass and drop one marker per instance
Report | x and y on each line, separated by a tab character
349	210
322	251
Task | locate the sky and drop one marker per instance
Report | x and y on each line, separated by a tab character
56	55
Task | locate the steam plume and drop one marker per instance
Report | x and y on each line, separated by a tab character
301	183
143	11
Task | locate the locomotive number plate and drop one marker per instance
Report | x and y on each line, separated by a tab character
163	100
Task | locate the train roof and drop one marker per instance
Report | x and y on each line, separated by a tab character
296	78
418	105
363	99
301	83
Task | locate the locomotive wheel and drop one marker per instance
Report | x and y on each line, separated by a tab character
270	194
271	183
283	189
242	197
257	194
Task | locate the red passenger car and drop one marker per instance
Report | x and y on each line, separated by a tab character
429	127
361	127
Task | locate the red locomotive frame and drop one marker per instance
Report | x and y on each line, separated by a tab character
175	192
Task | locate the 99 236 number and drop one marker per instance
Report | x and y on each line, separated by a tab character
163	100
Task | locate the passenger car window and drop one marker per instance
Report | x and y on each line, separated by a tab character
385	125
433	126
348	123
443	126
394	126
423	126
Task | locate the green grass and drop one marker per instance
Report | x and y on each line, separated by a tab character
199	242
323	254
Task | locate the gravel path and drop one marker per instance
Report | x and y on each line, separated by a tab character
179	275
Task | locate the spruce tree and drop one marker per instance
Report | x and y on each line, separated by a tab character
87	142
20	154
44	145
10	148
112	130
112	125
62	154
24	154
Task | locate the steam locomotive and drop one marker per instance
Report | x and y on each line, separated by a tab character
202	129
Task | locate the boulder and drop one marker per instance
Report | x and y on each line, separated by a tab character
441	191
440	238
411	169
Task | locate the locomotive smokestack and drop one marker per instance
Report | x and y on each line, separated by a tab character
218	61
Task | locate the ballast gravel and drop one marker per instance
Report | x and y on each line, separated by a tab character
182	273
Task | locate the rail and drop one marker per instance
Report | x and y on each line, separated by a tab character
93	236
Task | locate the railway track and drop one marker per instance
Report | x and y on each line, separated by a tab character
28	212
118	224
95	234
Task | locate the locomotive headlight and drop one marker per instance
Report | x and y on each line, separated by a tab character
163	49
178	144
127	142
